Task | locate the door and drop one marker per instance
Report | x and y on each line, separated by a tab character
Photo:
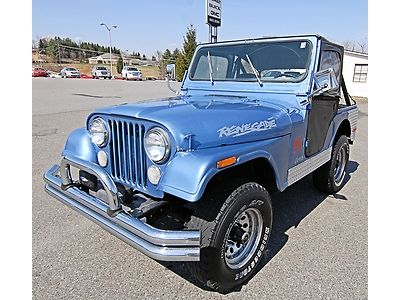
324	107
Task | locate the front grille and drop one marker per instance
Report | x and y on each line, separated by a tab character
127	154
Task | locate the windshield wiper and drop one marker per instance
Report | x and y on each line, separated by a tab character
210	67
254	70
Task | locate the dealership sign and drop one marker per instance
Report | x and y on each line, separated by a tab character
213	11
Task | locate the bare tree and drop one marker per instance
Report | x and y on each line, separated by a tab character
361	46
364	45
158	55
349	45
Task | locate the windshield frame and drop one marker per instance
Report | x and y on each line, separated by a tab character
259	41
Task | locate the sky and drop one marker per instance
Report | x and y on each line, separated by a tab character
148	26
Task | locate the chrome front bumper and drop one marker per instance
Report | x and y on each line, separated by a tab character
163	245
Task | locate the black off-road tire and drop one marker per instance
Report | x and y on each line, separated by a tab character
324	177
214	216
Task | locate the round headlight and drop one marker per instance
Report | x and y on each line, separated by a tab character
156	144
99	132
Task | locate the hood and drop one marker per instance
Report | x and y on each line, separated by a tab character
210	121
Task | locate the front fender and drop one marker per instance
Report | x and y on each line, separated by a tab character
188	173
80	144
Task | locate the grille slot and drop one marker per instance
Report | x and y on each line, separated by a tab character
128	160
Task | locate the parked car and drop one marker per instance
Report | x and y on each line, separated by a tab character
69	72
39	72
131	73
101	72
54	75
189	178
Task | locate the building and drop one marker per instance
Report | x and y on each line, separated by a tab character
39	56
104	59
355	73
127	60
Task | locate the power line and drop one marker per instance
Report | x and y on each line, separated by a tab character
81	49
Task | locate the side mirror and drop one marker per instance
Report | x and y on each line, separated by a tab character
324	81
170	72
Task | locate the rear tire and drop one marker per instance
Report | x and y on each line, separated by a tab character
235	223
329	178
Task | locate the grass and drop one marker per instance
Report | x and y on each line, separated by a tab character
359	99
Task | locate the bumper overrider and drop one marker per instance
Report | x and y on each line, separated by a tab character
163	245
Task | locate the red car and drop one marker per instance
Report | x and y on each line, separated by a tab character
39	72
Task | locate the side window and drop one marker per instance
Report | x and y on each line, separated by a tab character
331	59
360	73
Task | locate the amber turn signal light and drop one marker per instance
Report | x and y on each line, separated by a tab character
226	162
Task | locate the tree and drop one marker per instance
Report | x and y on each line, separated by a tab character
349	45
159	55
175	54
167	56
180	66
189	46
361	46
119	65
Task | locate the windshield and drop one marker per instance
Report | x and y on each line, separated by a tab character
132	69
101	68
71	69
272	61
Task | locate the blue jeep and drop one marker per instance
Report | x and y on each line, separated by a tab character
189	178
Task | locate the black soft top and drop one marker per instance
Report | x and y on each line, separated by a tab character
320	37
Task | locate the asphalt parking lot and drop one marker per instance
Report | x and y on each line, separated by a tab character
318	247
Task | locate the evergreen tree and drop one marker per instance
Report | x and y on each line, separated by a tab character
119	65
180	66
189	46
175	54
167	56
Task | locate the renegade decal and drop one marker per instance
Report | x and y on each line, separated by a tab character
243	129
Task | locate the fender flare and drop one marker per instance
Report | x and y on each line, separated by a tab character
190	185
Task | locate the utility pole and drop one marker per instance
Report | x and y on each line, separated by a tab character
58	44
109	33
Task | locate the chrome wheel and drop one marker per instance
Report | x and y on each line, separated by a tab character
340	165
243	237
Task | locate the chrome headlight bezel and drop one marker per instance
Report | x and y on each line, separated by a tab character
164	138
102	130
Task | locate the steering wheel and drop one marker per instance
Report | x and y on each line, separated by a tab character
286	75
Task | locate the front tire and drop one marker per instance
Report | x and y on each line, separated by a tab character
235	224
329	178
